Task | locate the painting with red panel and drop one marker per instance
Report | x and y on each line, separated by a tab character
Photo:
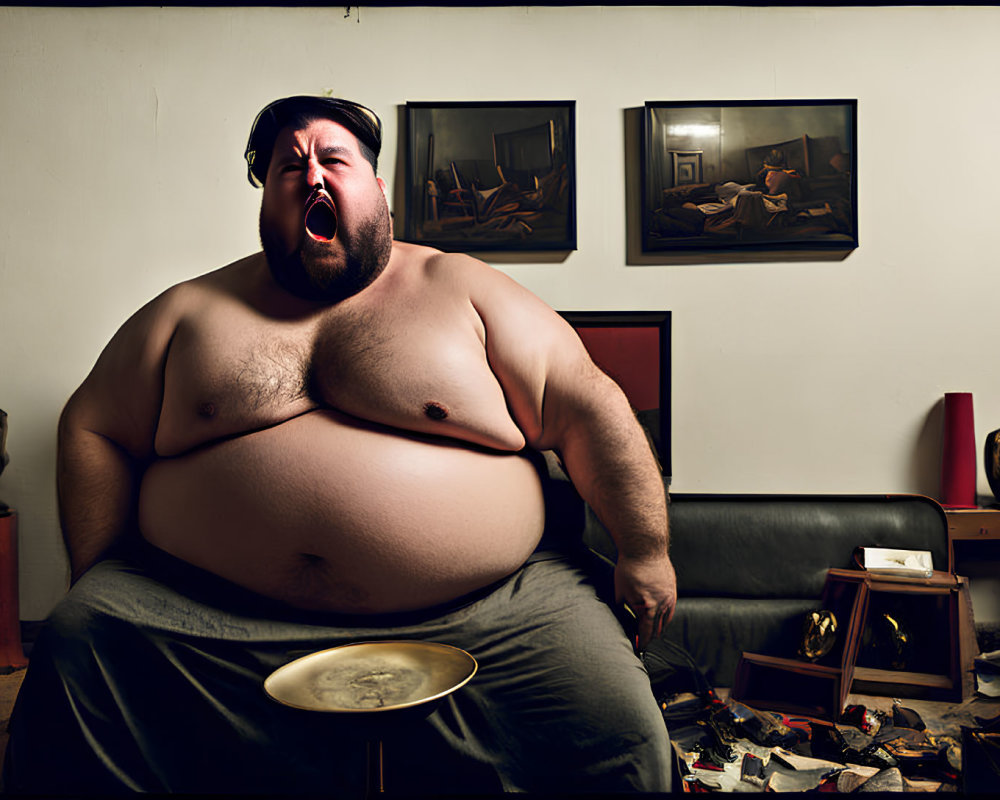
633	347
630	355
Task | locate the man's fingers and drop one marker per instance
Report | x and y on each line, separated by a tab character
648	625
664	614
657	626
651	624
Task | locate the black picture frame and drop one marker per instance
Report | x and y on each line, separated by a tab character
484	176
633	347
749	174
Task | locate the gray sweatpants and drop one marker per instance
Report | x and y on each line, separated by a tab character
148	676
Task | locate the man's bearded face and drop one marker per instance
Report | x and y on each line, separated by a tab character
324	221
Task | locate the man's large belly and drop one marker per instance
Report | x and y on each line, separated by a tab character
324	512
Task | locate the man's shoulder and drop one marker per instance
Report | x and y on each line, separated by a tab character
440	265
234	276
187	295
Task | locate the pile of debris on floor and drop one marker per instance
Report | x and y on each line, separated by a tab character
725	746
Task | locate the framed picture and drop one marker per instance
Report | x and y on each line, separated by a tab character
749	174
491	176
633	347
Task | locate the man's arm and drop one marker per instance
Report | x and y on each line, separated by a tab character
609	460
106	434
562	401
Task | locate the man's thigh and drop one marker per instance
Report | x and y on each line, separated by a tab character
160	690
561	703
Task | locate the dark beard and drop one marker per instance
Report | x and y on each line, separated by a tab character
303	273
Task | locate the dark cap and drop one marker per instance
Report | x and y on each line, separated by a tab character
360	121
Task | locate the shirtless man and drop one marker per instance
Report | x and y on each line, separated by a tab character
339	424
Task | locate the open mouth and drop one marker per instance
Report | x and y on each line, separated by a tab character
321	217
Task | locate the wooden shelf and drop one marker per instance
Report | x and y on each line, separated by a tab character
789	686
934	660
889	677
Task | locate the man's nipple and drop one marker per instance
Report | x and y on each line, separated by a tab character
206	410
435	411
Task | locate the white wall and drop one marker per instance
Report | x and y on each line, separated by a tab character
122	132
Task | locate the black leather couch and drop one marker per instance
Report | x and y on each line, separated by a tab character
750	567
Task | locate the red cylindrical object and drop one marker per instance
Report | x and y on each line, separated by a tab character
11	651
958	452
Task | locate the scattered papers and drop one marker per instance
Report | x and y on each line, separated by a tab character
726	748
800	762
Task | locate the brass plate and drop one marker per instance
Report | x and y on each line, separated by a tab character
370	677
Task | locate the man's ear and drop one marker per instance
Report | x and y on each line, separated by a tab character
385	192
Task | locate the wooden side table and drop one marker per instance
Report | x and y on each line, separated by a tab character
974	551
970	525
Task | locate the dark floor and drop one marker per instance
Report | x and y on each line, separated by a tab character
942	719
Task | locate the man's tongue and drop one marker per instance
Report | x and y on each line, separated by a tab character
321	217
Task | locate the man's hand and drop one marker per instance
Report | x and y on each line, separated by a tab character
649	587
